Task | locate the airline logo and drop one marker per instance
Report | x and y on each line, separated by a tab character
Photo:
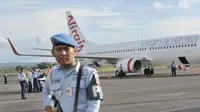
74	32
179	40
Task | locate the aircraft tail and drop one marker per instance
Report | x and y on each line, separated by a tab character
84	45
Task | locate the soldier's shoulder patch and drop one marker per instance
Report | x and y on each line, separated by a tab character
94	88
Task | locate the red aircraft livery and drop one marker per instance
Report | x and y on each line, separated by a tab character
74	32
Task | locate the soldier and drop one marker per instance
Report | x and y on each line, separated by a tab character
22	80
173	68
29	77
152	69
5	75
121	73
35	81
64	79
148	70
40	74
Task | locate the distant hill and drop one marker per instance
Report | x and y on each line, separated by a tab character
13	64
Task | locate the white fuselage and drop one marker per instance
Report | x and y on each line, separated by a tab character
160	51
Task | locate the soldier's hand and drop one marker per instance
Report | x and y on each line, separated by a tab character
49	109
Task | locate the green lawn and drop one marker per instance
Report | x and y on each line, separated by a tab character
105	68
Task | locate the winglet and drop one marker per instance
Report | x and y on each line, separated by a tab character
13	48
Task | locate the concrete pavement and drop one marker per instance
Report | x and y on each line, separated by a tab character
161	93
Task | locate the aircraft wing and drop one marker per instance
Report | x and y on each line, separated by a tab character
37	55
42	49
19	54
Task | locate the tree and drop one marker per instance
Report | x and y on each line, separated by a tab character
42	65
53	64
17	68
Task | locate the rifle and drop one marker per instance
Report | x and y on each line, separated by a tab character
56	107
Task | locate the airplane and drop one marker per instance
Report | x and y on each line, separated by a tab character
134	55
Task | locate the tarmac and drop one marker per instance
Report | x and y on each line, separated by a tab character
134	93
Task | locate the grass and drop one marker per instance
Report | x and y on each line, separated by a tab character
105	68
14	72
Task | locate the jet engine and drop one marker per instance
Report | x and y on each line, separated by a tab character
130	65
180	67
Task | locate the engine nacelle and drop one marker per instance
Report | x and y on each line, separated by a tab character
180	67
130	65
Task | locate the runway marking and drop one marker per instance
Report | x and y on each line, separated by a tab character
190	107
134	90
18	101
172	94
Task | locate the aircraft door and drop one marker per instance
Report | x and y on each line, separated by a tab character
183	60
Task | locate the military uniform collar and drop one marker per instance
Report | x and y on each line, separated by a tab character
76	67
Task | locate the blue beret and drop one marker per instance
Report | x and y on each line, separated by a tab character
63	39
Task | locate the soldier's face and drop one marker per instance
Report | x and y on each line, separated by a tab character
64	54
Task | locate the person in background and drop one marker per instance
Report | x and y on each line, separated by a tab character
29	77
121	73
173	68
39	75
35	81
5	75
152	69
22	80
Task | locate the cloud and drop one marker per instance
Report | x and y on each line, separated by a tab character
183	4
46	22
101	25
116	23
159	5
186	4
41	42
35	28
83	12
3	42
9	6
176	26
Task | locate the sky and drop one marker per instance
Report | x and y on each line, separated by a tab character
30	23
